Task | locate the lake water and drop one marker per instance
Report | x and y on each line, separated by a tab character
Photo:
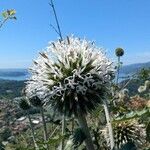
18	78
25	77
22	74
14	74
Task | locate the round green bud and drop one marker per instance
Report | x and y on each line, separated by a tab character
35	101
24	104
119	52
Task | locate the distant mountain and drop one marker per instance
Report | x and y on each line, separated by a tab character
13	72
12	81
22	74
133	68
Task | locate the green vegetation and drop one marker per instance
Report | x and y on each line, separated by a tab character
71	101
11	89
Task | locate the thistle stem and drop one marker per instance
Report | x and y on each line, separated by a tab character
63	131
83	124
44	126
118	70
32	131
110	129
73	123
2	23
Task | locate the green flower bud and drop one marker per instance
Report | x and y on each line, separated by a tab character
36	101
119	52
24	104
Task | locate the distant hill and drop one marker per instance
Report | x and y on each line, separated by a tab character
12	81
133	68
22	74
13	72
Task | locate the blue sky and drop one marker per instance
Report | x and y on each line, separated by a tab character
110	23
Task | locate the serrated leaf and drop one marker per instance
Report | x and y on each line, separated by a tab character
52	141
132	115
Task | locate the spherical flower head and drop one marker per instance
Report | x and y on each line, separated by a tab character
36	101
127	131
24	104
72	74
119	52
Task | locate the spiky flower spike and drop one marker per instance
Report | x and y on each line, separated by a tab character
119	52
73	74
129	132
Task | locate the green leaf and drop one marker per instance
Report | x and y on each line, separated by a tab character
12	12
52	141
9	14
5	14
132	115
142	112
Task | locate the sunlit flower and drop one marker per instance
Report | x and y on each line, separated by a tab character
71	74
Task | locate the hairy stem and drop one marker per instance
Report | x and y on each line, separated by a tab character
32	131
44	126
63	131
57	22
110	129
83	124
118	70
2	23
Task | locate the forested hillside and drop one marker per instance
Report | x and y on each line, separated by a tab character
11	89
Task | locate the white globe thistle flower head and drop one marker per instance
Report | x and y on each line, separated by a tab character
72	74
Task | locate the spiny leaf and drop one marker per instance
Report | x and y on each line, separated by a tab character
132	114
